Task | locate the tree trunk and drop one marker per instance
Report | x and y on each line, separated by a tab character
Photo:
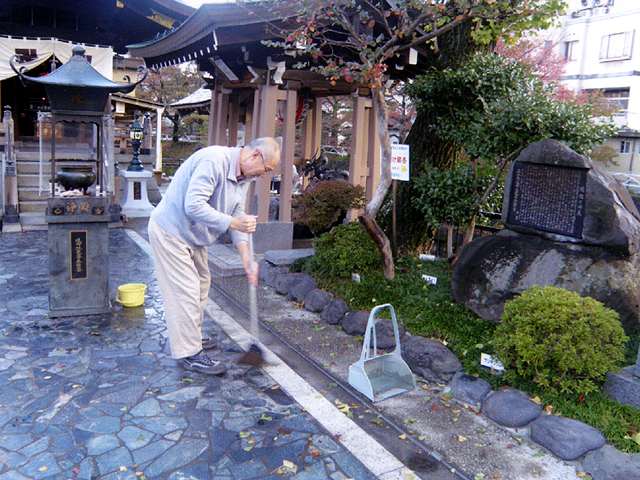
449	228
382	242
468	236
382	117
371	210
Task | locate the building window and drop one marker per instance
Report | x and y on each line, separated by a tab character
570	50
617	46
618	99
625	146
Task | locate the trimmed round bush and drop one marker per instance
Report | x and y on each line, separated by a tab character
559	340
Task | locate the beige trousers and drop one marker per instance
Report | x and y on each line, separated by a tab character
184	280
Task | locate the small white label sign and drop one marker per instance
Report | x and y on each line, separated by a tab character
489	361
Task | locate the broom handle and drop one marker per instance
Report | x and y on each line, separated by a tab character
253	300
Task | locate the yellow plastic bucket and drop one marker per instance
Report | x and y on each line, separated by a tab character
131	294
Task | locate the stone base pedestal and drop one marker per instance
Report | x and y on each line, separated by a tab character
273	236
78	236
624	386
268	236
135	200
11	214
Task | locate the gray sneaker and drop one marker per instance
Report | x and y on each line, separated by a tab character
201	363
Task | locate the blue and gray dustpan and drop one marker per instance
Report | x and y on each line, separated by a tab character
380	376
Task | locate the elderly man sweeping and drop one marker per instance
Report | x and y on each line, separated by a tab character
205	198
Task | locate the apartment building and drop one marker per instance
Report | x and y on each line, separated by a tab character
598	39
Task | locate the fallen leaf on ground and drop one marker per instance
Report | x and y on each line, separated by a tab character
635	438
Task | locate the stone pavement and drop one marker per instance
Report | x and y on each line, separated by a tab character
96	397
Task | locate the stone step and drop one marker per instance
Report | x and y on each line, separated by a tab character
33	207
31	194
32	181
33	168
33	220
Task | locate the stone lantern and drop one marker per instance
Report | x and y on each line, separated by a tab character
77	219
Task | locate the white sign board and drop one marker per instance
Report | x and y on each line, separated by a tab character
491	362
400	162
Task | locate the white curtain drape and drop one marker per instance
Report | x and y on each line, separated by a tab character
101	58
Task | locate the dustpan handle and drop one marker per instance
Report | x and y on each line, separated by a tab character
371	328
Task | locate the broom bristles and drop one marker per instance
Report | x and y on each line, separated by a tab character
253	357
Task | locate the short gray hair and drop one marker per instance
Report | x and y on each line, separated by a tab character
267	146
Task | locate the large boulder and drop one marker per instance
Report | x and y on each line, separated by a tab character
566	438
286	281
335	311
608	463
495	268
569	224
469	389
301	288
316	300
510	408
430	359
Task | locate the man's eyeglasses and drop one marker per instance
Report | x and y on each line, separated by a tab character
266	169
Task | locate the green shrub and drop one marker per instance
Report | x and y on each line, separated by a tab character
321	205
304	265
346	249
559	340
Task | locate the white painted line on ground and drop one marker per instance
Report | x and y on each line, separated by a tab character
374	456
142	243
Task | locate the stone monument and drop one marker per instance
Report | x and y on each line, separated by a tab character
569	224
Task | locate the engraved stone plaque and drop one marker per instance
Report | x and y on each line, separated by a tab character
78	254
548	197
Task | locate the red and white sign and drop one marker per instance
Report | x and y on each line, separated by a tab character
400	162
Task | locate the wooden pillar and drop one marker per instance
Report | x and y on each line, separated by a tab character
365	148
213	118
264	125
288	152
234	119
312	133
222	120
358	168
